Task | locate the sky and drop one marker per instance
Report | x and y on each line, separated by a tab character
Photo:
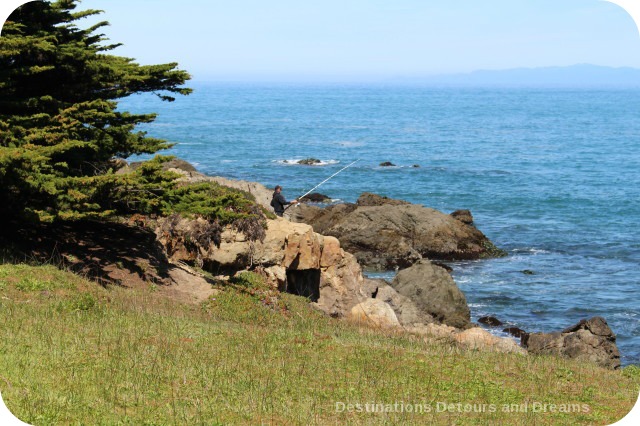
367	39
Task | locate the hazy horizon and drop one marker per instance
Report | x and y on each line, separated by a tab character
578	75
367	40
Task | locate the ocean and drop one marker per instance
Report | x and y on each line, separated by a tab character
552	176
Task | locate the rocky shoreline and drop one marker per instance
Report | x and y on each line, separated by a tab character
320	253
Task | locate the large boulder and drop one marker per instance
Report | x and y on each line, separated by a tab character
384	233
434	293
407	312
589	340
374	312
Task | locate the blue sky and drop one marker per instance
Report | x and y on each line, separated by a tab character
367	39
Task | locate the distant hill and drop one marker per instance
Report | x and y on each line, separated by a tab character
582	75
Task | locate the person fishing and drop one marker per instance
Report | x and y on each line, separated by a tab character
278	201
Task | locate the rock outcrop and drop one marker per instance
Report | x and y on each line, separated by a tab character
292	256
384	233
589	340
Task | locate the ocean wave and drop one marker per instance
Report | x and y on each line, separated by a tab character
349	144
294	162
530	250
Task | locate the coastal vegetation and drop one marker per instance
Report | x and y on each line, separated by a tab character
75	352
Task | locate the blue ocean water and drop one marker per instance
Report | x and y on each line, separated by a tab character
550	175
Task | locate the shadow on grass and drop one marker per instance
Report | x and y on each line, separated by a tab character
109	253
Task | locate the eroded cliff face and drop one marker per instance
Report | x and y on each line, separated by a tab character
292	257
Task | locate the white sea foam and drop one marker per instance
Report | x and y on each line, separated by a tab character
349	144
531	250
294	162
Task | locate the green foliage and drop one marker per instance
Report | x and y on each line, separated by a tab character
219	205
632	371
60	129
248	280
78	302
33	284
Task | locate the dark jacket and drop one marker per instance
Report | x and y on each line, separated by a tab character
278	202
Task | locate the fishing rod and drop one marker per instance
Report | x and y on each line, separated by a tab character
324	181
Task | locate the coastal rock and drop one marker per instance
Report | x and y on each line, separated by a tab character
490	321
477	338
292	257
434	293
374	312
406	310
515	331
261	193
315	197
309	161
369	199
589	340
384	233
463	216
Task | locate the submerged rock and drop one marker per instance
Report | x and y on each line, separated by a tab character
309	161
490	321
589	340
515	331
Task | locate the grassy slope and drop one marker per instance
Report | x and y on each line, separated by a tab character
73	352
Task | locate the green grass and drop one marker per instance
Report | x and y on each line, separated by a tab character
72	352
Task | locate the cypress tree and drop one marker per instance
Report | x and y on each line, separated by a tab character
60	130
